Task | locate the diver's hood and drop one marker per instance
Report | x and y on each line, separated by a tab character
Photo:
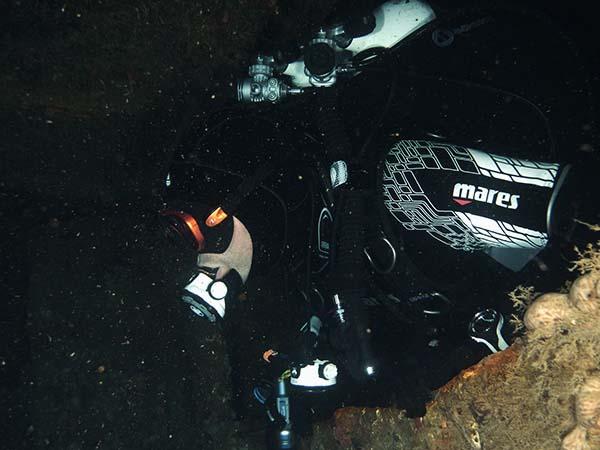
237	255
225	247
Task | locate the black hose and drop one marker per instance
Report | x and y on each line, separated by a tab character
363	60
536	108
310	234
528	12
232	201
377	125
348	267
331	126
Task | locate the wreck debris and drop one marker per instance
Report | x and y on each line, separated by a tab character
591	226
546	312
588	403
588	260
586	434
576	440
585	293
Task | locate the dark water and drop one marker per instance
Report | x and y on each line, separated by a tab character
96	353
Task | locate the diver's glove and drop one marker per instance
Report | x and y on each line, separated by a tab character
208	296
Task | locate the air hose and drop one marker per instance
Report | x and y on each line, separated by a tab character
331	127
348	263
232	201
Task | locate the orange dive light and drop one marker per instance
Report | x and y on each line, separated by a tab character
216	217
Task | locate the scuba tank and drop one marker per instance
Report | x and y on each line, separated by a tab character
472	200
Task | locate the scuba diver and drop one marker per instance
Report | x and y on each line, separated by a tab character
394	208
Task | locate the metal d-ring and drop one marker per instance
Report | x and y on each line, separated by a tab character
375	267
